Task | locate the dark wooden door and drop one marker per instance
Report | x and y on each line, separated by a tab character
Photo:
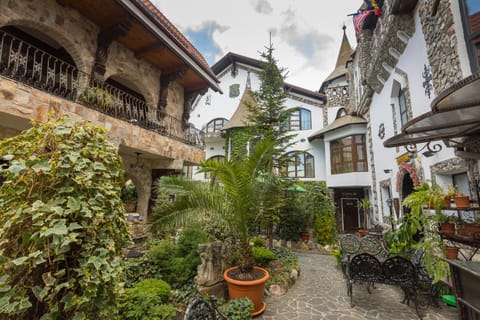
350	214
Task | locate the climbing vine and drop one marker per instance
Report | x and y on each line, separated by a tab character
62	223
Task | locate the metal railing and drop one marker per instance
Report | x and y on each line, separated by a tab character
28	64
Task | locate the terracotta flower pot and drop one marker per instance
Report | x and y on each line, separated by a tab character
362	232
252	289
305	236
462	202
451	252
447	228
469	230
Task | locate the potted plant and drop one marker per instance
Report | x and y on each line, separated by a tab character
233	196
365	206
462	201
420	230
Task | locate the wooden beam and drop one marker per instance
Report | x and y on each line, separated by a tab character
147	49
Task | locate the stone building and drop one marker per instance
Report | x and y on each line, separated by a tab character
423	120
120	64
215	113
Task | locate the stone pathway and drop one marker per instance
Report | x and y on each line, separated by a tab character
320	293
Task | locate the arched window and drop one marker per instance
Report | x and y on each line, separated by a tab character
215	125
214	158
341	113
301	165
300	119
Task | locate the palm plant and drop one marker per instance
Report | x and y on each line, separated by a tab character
233	196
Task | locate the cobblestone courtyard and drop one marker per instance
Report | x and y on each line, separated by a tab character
320	293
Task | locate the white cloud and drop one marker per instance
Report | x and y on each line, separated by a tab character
262	6
305	34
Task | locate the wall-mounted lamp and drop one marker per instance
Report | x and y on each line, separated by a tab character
137	165
387	170
344	90
334	92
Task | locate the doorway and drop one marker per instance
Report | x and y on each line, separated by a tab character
407	189
351	214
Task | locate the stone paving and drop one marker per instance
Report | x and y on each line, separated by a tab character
320	293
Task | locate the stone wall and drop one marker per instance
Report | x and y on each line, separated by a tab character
23	103
440	37
337	96
78	36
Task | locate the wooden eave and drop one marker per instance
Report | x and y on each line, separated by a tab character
148	40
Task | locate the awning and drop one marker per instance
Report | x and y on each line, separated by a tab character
455	113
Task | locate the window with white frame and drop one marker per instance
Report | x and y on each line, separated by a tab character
300	165
300	119
215	125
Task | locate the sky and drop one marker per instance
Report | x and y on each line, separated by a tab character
306	34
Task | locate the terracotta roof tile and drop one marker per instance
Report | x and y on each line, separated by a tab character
175	34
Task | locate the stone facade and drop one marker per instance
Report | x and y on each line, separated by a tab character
25	103
440	36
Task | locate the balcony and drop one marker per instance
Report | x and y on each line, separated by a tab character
26	63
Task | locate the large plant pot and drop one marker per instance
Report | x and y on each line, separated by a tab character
462	202
252	289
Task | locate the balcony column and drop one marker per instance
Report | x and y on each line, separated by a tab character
104	40
165	80
188	99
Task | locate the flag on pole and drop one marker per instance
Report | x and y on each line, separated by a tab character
375	5
359	19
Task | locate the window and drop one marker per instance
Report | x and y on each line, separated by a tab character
216	125
300	119
471	23
402	103
214	158
341	113
348	154
301	165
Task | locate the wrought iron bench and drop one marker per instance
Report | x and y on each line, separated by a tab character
366	260
201	308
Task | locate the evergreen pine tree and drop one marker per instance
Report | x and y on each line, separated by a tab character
267	117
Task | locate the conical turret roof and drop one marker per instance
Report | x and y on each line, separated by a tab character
342	59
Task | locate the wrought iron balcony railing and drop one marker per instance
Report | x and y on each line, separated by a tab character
26	63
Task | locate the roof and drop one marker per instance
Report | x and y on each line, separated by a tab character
343	57
337	124
233	58
170	29
240	116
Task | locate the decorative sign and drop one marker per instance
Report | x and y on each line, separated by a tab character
403	158
234	90
381	131
427	83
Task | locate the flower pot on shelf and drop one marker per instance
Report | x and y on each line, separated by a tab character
252	289
469	230
462	202
451	252
447	228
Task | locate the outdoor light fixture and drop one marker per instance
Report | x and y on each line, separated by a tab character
344	91
334	92
137	165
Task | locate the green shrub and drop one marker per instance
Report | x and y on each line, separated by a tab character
177	263
62	222
189	240
238	309
288	259
325	231
337	254
147	300
263	256
258	242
